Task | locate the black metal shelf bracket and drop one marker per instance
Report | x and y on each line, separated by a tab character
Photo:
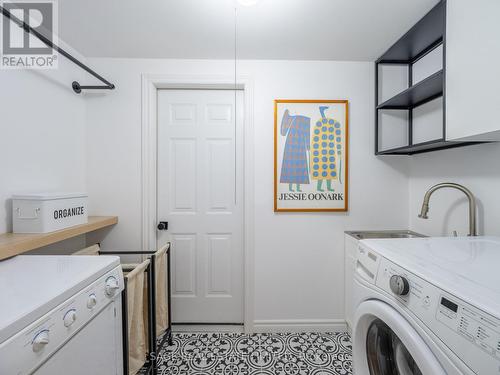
77	88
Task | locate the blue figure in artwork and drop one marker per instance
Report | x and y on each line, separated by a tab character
295	168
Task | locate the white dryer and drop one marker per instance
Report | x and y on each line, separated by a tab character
61	315
427	306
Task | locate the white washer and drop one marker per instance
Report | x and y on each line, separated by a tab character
427	306
61	315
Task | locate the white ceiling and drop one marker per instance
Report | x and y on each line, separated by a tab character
204	29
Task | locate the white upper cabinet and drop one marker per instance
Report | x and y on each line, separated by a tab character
472	70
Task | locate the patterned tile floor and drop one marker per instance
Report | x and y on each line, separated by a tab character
266	354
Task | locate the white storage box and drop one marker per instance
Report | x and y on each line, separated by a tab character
42	213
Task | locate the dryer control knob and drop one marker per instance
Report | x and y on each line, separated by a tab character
399	285
69	318
111	286
40	340
92	301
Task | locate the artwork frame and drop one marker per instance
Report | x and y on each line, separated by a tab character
296	141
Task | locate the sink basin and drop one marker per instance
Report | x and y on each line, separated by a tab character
371	234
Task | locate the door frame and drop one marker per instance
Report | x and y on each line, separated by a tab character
151	83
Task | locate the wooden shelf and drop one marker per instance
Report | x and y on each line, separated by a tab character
422	92
429	31
12	244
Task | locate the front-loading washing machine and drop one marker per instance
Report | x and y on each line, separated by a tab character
427	307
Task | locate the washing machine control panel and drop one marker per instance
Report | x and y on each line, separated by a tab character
28	349
472	334
476	326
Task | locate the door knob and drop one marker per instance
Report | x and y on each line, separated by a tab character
163	225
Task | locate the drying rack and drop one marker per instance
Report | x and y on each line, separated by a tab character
77	88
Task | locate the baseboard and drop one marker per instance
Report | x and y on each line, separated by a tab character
300	325
220	328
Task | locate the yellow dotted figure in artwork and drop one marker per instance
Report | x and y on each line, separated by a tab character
326	146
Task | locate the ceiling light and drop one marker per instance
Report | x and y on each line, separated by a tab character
248	3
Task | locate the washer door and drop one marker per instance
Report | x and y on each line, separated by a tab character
384	343
386	354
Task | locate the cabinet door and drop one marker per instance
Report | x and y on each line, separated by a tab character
472	79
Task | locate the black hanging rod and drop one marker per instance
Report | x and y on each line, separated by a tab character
75	85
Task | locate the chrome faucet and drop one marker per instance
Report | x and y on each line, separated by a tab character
467	192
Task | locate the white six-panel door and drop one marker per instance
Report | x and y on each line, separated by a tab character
200	194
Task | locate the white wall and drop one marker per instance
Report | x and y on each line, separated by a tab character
477	168
42	131
298	257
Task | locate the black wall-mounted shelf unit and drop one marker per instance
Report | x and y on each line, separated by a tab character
419	148
424	91
422	37
426	35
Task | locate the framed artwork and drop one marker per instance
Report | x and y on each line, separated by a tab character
311	139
